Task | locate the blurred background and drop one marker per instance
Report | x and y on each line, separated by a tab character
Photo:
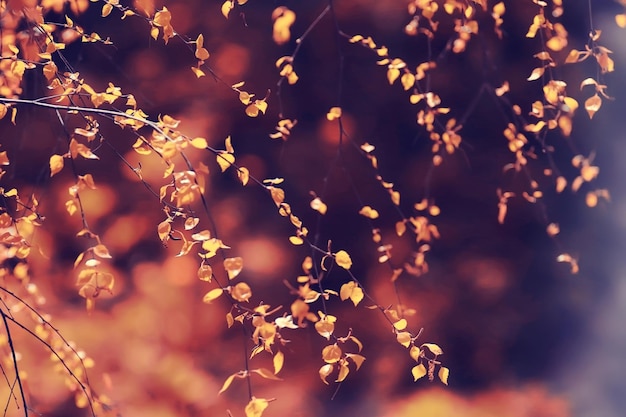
521	335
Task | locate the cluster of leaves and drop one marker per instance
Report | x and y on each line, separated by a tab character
188	221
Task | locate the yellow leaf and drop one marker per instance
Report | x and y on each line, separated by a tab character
205	273
620	19
333	113
325	371
296	240
342	258
201	53
106	9
368	212
198	72
572	57
415	353
3	110
253	109
592	105
255	407
318	205
101	251
225	160
343	372
228	145
395	197
71	207
443	374
536	74
56	164
283	19
400	324
244	175
266	373
357	359
418	371
404	338
233	266
407	80
164	229
199	143
392	75
435	349
325	327
162	17
212	295
227	383
278	361
331	353
227	6
278	195
241	292
352	291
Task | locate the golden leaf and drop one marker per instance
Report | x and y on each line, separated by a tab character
368	212
71	207
318	205
407	80
283	19
334	113
418	371
227	383
392	75
400	324
233	266
205	272
435	349
278	195
536	74
201	53
342	258
56	164
343	372
357	359
244	175
352	291
198	72
325	327
225	160
255	407
200	143
404	338
443	374
278	360
227	6
241	292
325	371
592	105
162	18
106	9
266	373
331	353
212	295
101	251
